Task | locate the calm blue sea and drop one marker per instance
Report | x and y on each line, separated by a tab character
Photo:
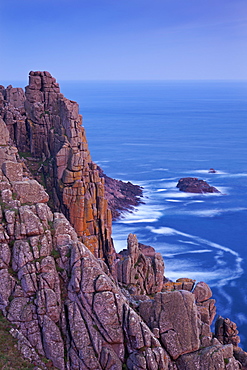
154	133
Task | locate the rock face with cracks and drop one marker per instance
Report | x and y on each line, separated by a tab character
71	298
47	130
139	268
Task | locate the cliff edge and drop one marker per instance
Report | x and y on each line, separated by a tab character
70	297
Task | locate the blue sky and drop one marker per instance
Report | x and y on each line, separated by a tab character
124	39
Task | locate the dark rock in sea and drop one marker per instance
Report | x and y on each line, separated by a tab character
212	170
122	196
193	185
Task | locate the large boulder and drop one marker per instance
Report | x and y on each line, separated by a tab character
214	357
173	317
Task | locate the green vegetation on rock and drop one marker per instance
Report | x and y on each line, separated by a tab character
10	357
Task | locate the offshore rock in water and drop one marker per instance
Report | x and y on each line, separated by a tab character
193	185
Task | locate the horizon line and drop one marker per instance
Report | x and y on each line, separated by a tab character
140	80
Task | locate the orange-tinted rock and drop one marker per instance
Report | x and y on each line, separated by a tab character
55	135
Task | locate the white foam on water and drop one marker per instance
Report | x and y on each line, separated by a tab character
120	235
160	169
171	184
121	174
218	172
215	277
195	201
171	179
180	194
187	242
202	213
101	161
188	252
103	164
173	200
209	195
235	175
163	230
159	190
165	248
196	275
224	294
151	181
119	244
219	258
211	212
135	221
144	213
242	318
201	171
234	272
223	189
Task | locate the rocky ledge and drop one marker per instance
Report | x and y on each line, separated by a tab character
121	196
194	185
70	297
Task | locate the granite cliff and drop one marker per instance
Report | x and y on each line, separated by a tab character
70	297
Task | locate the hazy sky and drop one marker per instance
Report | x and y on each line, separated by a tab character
124	39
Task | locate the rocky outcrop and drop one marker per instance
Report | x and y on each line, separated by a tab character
48	132
62	299
139	268
212	357
205	304
173	317
47	126
194	185
121	196
84	310
226	331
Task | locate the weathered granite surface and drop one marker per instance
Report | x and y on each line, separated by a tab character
84	310
194	185
140	269
48	127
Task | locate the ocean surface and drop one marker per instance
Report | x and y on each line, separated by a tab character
152	134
